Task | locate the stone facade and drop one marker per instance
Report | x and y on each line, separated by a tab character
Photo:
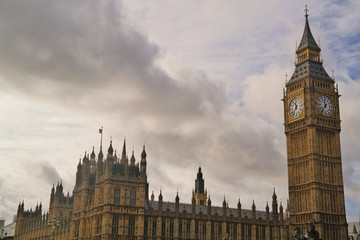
312	128
110	201
110	198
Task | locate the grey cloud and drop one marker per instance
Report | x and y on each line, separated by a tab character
49	173
85	54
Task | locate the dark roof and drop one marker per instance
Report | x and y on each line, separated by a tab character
154	205
307	40
309	69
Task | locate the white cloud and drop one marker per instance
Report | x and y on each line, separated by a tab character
200	82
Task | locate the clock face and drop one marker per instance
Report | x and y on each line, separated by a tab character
296	107
325	105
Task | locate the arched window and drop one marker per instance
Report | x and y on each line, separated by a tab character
117	196
133	197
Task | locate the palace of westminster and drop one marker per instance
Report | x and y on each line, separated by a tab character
111	199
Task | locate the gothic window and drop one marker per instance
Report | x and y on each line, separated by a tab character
234	231
180	228
171	228
154	228
117	196
263	233
77	228
249	232
99	225
212	231
131	226
219	231
187	229
115	225
146	231
133	197
196	229
163	225
204	230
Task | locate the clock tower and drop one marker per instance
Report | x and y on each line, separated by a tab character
312	128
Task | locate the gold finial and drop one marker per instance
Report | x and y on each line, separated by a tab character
286	75
306	11
333	73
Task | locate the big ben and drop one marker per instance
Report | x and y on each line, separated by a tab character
312	128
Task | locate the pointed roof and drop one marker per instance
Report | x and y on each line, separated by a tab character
267	207
123	155
307	40
92	156
160	196
132	159
110	149
143	154
177	197
239	204
199	174
274	196
100	155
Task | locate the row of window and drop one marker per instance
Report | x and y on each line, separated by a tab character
117	195
216	230
184	229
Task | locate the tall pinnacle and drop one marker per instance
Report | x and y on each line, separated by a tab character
307	40
123	155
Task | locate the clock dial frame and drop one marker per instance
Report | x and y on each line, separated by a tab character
296	107
325	105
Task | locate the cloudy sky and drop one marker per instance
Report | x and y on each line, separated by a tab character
199	81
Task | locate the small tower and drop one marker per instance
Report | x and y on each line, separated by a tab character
274	206
253	210
177	203
110	150
267	210
143	162
239	209
200	193
124	159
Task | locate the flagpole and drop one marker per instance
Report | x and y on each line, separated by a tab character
102	129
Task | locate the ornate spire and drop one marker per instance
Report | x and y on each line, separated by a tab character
84	158
143	154
253	207
123	154
132	159
100	155
199	182
177	199
92	156
152	196
110	149
160	196
274	197
307	40
239	204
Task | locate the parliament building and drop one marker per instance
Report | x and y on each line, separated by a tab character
111	198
